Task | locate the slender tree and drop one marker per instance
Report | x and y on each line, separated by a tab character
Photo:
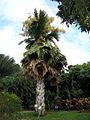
42	57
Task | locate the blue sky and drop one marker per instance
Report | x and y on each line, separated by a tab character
73	44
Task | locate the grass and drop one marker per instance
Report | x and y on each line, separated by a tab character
60	115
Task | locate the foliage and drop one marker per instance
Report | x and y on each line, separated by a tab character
41	52
7	65
74	83
10	104
38	27
75	12
50	54
77	80
88	107
21	86
58	102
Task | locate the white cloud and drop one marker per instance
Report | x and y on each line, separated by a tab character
18	10
74	54
9	43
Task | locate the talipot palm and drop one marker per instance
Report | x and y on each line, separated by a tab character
42	57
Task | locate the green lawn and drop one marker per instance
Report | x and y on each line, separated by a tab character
60	115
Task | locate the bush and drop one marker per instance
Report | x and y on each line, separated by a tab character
10	105
24	88
58	102
88	105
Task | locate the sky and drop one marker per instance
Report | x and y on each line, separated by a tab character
73	44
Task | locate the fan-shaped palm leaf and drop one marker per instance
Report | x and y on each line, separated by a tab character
7	65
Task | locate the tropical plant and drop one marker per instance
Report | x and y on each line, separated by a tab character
10	105
76	82
7	65
43	57
21	86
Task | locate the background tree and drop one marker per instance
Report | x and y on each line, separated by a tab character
12	80
42	59
18	84
77	81
75	12
84	80
7	65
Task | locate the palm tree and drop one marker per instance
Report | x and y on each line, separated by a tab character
42	58
7	65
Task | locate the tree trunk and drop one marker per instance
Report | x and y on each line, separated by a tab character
40	92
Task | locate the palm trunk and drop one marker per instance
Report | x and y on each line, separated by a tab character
40	92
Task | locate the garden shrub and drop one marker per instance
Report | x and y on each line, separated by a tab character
88	105
10	105
24	88
58	101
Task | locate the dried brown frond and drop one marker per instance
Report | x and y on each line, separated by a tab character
54	79
36	69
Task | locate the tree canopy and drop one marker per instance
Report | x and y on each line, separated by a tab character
7	65
77	81
75	12
39	35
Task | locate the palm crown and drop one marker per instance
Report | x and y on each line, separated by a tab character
39	35
39	28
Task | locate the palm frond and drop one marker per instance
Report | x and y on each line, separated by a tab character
52	76
36	14
7	65
50	54
40	49
58	60
36	69
39	35
43	18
